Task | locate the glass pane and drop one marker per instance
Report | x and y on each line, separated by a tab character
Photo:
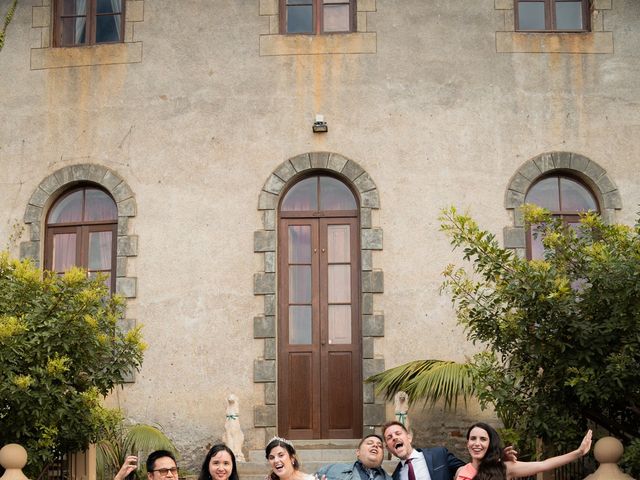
300	244
339	324
537	250
300	284
67	209
73	30
531	16
569	16
109	6
338	243
105	275
64	251
545	194
575	197
339	283
300	324
100	250
300	19
303	196
335	195
99	206
107	28
336	18
74	7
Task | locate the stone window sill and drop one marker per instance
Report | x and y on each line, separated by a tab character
521	42
107	54
357	42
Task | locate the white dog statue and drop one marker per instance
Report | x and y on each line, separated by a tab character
401	407
233	436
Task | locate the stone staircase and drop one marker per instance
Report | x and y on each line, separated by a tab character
312	454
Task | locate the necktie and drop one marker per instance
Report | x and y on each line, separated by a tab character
411	475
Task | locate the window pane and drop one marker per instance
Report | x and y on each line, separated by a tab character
575	197
336	18
106	276
99	206
73	30
537	250
569	16
100	251
335	195
338	243
339	283
300	244
107	28
300	284
300	19
300	325
545	194
64	252
339	324
531	16
302	197
74	7
109	6
67	209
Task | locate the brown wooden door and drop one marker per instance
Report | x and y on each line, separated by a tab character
319	348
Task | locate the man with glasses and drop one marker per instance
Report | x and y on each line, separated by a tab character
161	465
370	454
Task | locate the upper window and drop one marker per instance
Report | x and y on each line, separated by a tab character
564	197
317	16
552	15
81	231
88	22
318	193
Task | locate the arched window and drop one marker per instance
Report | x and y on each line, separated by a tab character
81	230
564	196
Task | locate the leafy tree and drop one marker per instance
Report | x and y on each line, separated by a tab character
561	336
61	352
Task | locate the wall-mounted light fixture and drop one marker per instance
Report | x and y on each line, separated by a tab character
320	126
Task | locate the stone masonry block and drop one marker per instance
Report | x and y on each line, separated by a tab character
503	4
40	16
605	184
274	184
373	325
368	394
35	232
127	208
520	183
374	414
29	250
110	180
267	201
352	170
336	162
562	159
530	170
612	200
81	172
121	266
264	283
269	219
361	21
301	162
123	225
513	199
367	303
594	171
514	237
32	214
127	286
264	241
579	162
518	217
270	349
366	5
364	183
602	4
367	347
135	10
545	162
370	199
270	393
373	282
269	262
268	7
50	184
269	304
274	24
319	159
264	327
121	192
264	371
285	171
367	260
371	367
365	217
39	198
264	416
371	238
127	246
65	175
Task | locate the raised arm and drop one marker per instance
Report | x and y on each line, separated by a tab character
525	469
129	465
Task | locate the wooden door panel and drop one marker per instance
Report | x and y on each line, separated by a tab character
301	390
340	396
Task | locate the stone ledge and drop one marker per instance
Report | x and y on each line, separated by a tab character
529	42
107	54
359	42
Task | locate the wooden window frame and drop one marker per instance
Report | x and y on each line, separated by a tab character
317	19
549	16
91	19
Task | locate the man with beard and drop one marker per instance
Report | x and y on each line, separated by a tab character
370	454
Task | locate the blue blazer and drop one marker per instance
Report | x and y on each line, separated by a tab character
442	464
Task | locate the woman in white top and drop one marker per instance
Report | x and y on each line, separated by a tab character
283	461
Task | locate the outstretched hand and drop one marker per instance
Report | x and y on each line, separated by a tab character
585	446
509	454
130	464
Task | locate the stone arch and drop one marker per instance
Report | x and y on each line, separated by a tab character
592	174
49	189
265	282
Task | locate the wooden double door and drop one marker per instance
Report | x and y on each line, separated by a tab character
319	332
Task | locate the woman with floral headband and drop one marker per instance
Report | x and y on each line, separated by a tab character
283	461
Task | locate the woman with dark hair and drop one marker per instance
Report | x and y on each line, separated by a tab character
485	448
219	464
284	461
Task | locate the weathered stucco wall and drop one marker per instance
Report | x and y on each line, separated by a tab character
197	119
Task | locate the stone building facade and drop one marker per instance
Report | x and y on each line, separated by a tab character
198	122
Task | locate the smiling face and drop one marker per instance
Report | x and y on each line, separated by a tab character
370	452
281	462
398	441
478	444
220	466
